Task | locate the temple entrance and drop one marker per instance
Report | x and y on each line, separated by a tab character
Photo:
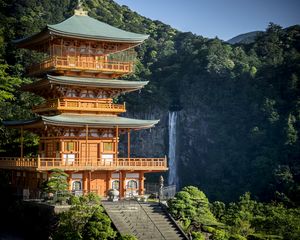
89	155
98	183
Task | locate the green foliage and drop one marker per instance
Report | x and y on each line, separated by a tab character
246	219
237	237
90	198
190	207
245	97
85	220
218	209
191	204
249	218
220	235
57	182
127	237
8	83
263	237
198	236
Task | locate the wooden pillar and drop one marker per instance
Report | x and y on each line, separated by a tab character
141	183
62	146
128	144
117	140
22	142
120	185
89	183
85	182
122	188
86	143
70	181
108	181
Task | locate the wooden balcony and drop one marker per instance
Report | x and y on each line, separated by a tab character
46	164
74	64
79	105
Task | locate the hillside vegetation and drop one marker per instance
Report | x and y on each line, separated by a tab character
248	96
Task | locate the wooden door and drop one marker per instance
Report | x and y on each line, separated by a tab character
90	154
98	183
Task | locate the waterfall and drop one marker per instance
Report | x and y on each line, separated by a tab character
172	178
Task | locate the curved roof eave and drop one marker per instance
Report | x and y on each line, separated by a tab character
73	120
90	37
20	123
83	27
87	27
87	82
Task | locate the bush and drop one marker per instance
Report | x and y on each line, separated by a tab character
258	236
191	205
127	237
198	236
237	237
219	235
85	220
208	229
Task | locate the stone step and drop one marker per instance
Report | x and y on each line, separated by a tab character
145	221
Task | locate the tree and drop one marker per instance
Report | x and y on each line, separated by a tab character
190	207
57	183
8	83
85	220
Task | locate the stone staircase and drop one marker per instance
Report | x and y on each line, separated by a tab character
143	220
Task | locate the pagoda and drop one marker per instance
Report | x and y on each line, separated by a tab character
79	123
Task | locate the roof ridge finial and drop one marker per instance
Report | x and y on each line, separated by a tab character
79	10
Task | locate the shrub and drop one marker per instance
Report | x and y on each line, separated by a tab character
258	236
219	235
198	236
127	237
237	237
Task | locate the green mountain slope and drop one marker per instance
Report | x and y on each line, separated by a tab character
245	38
239	116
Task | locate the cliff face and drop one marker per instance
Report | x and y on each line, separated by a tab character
151	142
191	147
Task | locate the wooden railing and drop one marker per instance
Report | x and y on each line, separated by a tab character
79	105
152	164
73	63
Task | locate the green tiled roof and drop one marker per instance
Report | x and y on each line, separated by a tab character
97	82
87	27
80	120
84	27
123	85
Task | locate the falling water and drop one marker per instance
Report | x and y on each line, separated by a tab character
172	179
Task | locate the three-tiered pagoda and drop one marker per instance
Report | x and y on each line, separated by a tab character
78	124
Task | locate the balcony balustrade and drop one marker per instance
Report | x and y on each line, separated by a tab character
63	104
78	64
46	164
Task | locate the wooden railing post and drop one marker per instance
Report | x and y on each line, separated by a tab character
38	161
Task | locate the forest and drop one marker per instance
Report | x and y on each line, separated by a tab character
247	94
